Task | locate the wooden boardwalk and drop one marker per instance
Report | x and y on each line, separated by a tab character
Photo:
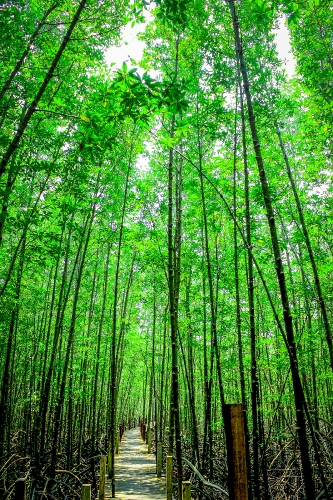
136	471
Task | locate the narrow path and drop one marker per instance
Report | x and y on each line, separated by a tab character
136	471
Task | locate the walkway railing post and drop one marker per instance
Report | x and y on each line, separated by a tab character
20	490
159	459
169	477
186	490
236	454
86	492
102	473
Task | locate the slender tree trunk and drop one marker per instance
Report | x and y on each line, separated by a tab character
98	350
238	311
5	387
69	347
207	447
297	385
162	381
191	384
113	383
32	108
26	51
317	281
210	280
173	287
173	320
254	374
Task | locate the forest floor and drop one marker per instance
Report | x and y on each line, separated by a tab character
136	471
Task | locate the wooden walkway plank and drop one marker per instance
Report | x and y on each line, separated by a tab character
136	471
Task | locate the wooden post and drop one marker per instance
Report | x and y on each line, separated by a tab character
102	473
186	490
236	454
169	477
159	459
86	492
20	490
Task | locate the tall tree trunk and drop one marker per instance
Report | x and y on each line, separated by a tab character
32	108
4	401
207	447
254	370
317	281
173	287
69	347
191	385
299	396
238	310
19	63
162	381
113	382
210	279
98	349
173	317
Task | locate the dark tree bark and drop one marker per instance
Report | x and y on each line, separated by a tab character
32	108
26	51
299	396
5	387
317	281
113	375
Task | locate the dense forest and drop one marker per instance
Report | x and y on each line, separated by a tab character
166	243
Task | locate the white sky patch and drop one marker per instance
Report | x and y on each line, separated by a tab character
282	40
142	163
130	47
